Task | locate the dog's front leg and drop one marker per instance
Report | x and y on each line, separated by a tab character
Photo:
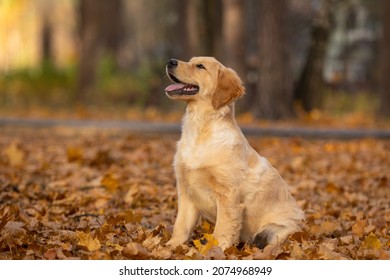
186	219
229	220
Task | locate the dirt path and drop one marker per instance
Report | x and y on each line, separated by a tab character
167	128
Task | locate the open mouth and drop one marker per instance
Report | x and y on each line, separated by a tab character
180	88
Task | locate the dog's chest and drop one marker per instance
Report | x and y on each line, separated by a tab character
200	191
198	150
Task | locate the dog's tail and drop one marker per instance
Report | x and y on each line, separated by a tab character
262	238
272	234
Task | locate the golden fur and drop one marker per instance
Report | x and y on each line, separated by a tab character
219	175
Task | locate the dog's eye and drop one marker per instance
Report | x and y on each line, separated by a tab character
200	66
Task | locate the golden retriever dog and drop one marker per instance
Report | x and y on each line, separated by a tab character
219	175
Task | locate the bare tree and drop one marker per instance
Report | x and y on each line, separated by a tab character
100	29
233	31
90	14
310	87
204	27
274	93
45	8
384	92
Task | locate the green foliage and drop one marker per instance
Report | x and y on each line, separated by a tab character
48	86
140	87
339	103
42	86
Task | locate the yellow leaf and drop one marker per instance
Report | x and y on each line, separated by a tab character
14	154
110	183
206	226
74	154
372	242
85	239
116	246
205	243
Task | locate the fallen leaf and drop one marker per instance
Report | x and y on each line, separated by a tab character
15	228
50	254
110	182
133	249
326	227
131	194
162	252
206	227
297	252
205	243
346	239
372	242
75	154
4	220
14	154
359	227
86	240
151	243
114	245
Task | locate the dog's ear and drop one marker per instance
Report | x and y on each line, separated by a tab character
228	89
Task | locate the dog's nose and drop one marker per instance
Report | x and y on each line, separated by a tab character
172	63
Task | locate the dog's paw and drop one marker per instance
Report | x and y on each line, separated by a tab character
174	242
224	243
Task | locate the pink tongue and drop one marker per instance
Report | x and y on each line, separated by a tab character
174	87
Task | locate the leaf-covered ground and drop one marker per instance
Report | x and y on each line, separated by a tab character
87	194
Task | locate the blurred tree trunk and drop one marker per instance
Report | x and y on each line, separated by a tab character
384	91
47	42
90	14
101	28
310	88
251	53
174	28
112	27
182	38
233	31
274	93
205	24
45	8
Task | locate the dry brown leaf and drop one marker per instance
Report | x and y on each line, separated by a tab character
110	182
135	250
50	254
86	240
162	252
75	154
152	242
326	227
346	239
328	254
359	227
131	194
297	252
15	228
114	245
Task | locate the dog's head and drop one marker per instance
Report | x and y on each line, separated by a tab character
203	78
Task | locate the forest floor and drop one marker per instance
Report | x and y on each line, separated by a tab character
86	193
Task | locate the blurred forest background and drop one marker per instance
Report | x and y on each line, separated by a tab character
297	57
